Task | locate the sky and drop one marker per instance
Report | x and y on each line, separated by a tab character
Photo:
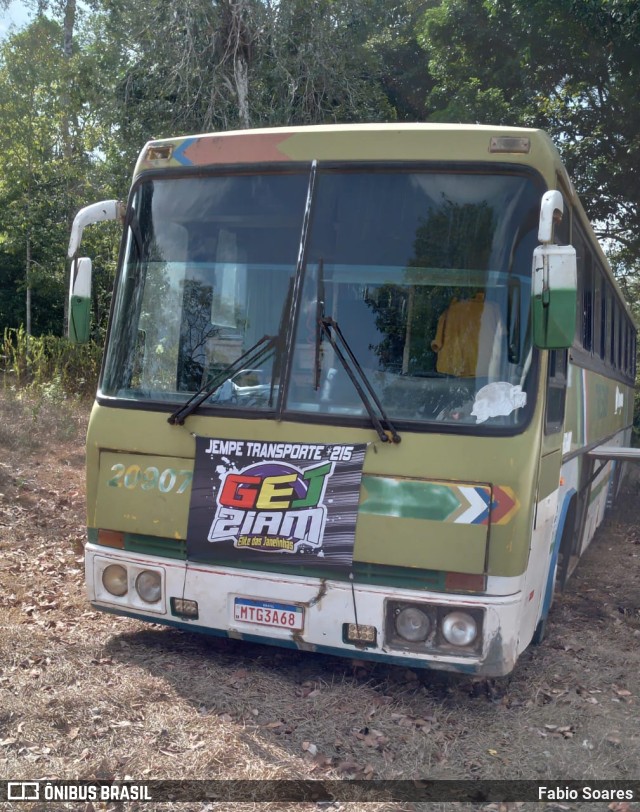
17	14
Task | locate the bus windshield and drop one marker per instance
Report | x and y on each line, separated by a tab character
425	271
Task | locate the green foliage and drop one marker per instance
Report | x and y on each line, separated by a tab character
568	67
630	284
49	139
49	365
32	172
235	63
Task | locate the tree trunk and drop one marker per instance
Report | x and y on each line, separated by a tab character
28	281
241	76
67	145
238	48
68	26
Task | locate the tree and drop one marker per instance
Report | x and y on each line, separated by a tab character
48	139
569	67
31	184
235	63
319	64
393	35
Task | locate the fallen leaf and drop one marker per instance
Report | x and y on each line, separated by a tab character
348	767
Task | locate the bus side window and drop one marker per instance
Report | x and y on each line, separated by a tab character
584	322
556	391
604	294
562	230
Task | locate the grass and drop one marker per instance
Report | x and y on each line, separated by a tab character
32	420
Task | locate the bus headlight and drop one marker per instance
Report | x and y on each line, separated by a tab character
459	629
412	624
149	586
114	580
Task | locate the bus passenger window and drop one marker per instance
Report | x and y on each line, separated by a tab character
584	322
604	296
556	391
587	305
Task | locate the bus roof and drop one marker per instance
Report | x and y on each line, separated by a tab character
357	142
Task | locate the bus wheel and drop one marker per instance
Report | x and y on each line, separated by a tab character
565	548
541	629
540	632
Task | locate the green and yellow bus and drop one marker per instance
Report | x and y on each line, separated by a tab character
366	391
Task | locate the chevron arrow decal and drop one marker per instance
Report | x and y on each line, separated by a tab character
179	155
479	499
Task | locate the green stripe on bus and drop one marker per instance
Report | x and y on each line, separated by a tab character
408	499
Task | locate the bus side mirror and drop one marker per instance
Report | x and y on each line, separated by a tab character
80	301
554	296
80	285
96	213
555	281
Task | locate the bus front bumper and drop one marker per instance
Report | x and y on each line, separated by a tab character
347	619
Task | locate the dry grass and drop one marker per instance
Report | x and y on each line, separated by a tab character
87	695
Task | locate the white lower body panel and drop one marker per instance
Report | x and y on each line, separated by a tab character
327	605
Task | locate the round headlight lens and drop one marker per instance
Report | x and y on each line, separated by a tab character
459	629
412	624
149	586
114	580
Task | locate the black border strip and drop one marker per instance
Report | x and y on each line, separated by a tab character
316	419
584	359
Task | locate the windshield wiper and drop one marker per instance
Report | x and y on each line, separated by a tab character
252	356
317	365
330	328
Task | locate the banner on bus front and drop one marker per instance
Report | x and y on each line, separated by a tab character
254	501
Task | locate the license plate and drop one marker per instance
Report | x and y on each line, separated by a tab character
265	613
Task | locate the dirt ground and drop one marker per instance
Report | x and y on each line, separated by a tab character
87	695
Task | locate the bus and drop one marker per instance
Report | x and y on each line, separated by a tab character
367	390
